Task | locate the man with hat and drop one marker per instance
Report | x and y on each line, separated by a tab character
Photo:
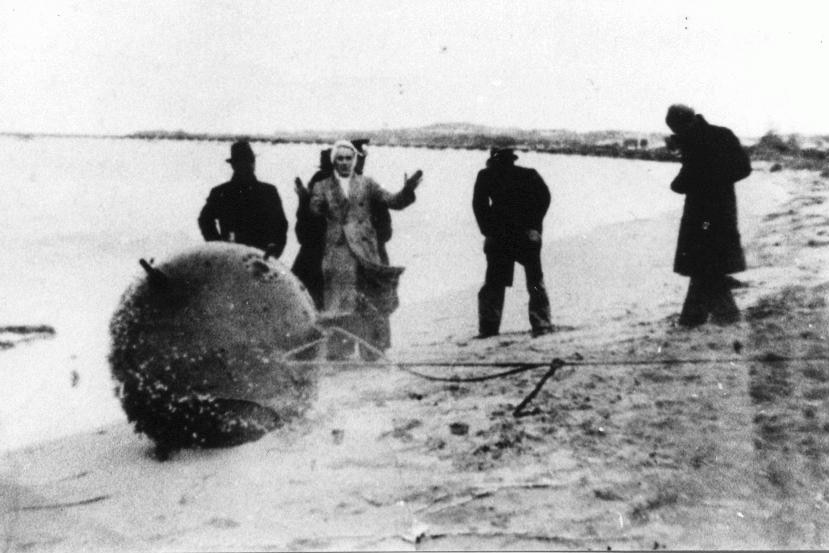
708	248
509	204
245	210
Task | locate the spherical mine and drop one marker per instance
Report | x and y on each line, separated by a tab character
197	348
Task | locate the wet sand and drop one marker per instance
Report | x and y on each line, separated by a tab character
721	441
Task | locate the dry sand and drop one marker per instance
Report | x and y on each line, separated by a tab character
726	452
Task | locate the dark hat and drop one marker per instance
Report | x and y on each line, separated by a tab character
325	159
679	116
359	143
502	153
241	151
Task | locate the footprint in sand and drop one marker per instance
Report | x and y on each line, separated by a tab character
223	523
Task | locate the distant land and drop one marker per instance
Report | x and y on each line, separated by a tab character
794	150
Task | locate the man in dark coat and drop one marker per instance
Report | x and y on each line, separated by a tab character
245	210
310	232
509	204
708	248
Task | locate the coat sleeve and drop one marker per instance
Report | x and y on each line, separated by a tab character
278	224
542	199
207	219
309	227
695	171
400	200
318	206
734	164
480	203
682	182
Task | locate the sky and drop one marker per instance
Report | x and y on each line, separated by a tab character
246	66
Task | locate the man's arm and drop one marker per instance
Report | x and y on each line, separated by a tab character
735	164
318	205
682	181
542	198
278	224
207	219
480	203
309	228
400	200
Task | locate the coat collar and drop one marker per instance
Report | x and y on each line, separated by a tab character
244	181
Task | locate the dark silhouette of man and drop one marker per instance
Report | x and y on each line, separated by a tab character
245	210
509	204
310	232
708	247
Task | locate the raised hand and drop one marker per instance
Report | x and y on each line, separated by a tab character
299	188
414	181
318	205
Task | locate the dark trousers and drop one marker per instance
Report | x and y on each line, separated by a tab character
499	271
709	295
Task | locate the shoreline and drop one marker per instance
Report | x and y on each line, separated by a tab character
616	144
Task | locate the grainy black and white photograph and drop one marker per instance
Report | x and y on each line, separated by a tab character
434	275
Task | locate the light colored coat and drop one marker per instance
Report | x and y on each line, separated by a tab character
353	271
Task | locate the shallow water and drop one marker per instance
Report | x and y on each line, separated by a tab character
79	213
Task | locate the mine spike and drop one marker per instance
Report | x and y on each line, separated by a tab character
155	276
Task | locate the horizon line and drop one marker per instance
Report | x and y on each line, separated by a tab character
278	133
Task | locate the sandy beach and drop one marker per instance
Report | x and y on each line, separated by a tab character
717	439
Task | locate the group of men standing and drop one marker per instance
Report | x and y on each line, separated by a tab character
343	224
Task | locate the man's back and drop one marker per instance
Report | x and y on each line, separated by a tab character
248	212
509	197
711	156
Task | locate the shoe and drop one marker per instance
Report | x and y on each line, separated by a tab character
485	335
536	332
726	320
732	282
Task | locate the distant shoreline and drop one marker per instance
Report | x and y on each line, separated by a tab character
788	153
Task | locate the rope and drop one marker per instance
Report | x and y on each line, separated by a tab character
518	366
521	366
554	366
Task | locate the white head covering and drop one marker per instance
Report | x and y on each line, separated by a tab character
344	144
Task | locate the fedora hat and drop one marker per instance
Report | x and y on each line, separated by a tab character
360	143
241	151
502	153
325	160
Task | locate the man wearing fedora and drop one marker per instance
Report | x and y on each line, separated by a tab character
245	210
509	204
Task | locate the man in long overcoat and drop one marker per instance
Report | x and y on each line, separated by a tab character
509	204
245	210
358	289
708	248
